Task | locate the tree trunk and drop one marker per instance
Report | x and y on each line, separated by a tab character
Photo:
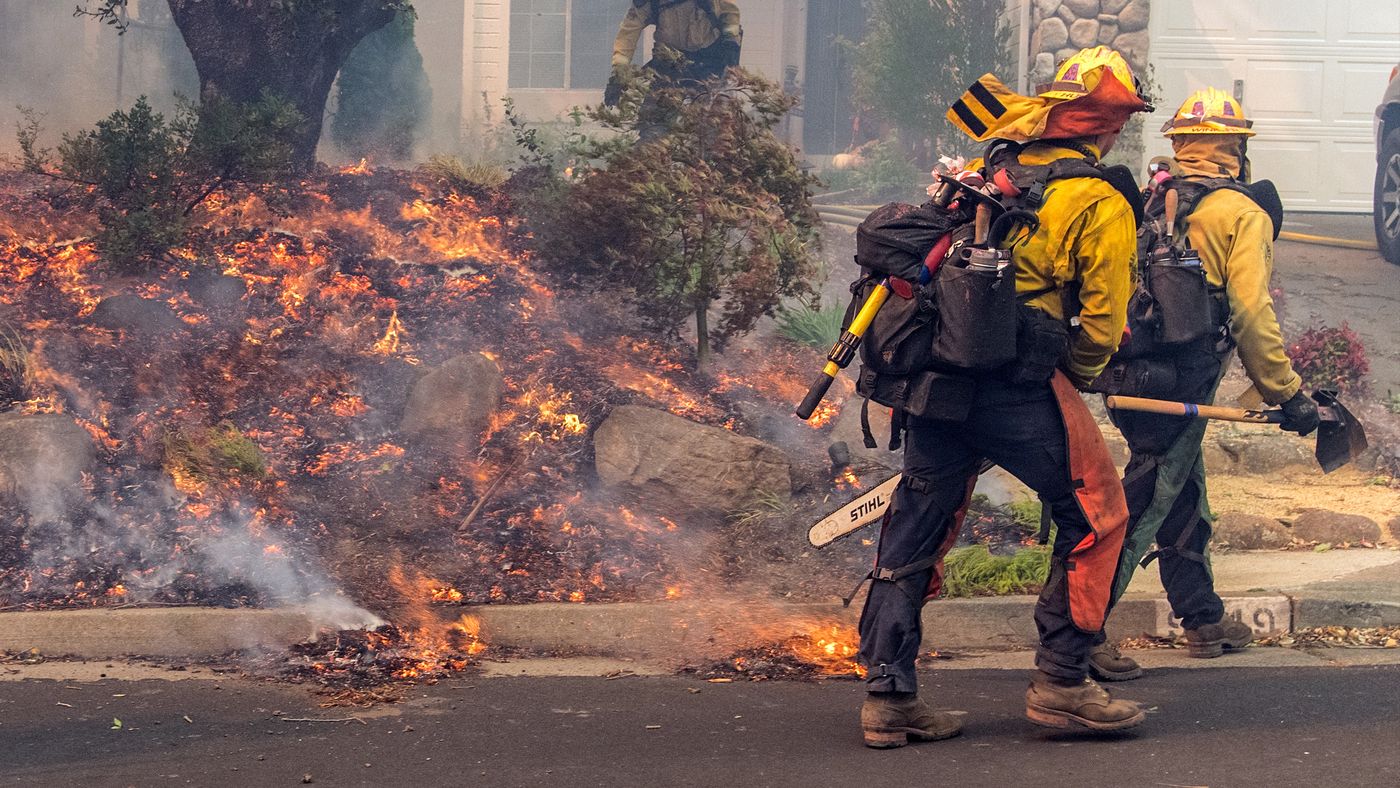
292	50
702	335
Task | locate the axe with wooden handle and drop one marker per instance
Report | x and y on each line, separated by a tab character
1340	437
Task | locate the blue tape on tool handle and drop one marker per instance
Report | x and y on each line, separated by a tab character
1191	409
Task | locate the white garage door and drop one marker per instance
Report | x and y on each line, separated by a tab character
1310	72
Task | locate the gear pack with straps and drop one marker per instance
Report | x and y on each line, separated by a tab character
955	313
1174	310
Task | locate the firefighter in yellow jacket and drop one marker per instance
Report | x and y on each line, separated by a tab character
1076	267
1229	225
706	34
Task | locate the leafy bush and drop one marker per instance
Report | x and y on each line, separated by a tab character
974	571
149	176
817	327
383	96
1332	358
716	210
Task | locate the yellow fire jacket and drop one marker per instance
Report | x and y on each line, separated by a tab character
1087	239
1234	237
683	26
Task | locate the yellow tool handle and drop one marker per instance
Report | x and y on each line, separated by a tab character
1167	408
866	315
844	350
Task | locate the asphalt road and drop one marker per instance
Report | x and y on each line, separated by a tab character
1216	728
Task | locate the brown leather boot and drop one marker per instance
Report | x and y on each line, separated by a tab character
1107	663
1211	640
1056	706
888	721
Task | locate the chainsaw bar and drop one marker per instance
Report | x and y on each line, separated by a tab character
855	515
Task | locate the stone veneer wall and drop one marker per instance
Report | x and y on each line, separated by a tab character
1059	28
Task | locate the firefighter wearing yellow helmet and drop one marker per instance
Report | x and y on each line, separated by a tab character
1227	225
1073	278
1069	82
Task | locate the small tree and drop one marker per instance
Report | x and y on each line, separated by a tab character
917	58
149	176
383	94
716	210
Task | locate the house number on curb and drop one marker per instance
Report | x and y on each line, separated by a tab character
1265	615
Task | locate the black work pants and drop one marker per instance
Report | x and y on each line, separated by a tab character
1020	429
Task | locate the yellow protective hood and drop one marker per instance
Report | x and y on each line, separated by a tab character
991	110
1212	155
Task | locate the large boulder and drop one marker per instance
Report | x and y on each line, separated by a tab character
452	405
42	460
1320	525
1244	531
678	465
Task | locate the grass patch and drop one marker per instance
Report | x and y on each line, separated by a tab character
217	452
974	571
462	176
16	372
817	328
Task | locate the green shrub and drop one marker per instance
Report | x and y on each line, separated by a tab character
974	571
149	176
715	212
817	327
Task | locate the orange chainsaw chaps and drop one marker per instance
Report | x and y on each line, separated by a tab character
1093	562
935	583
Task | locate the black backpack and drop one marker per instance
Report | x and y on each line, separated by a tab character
954	312
1174	310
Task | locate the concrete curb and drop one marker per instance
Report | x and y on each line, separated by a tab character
152	632
658	631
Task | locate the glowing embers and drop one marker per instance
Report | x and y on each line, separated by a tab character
453	228
794	649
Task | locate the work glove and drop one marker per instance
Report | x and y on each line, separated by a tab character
612	94
1300	414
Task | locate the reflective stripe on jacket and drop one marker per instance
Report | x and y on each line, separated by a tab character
684	26
1234	237
1087	238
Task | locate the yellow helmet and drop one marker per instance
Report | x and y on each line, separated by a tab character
1209	111
1069	79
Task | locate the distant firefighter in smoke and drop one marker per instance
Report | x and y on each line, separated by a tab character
706	33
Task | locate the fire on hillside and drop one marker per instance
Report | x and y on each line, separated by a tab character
246	405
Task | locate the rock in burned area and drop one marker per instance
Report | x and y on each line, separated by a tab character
42	457
133	314
1244	531
452	405
1321	525
677	464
